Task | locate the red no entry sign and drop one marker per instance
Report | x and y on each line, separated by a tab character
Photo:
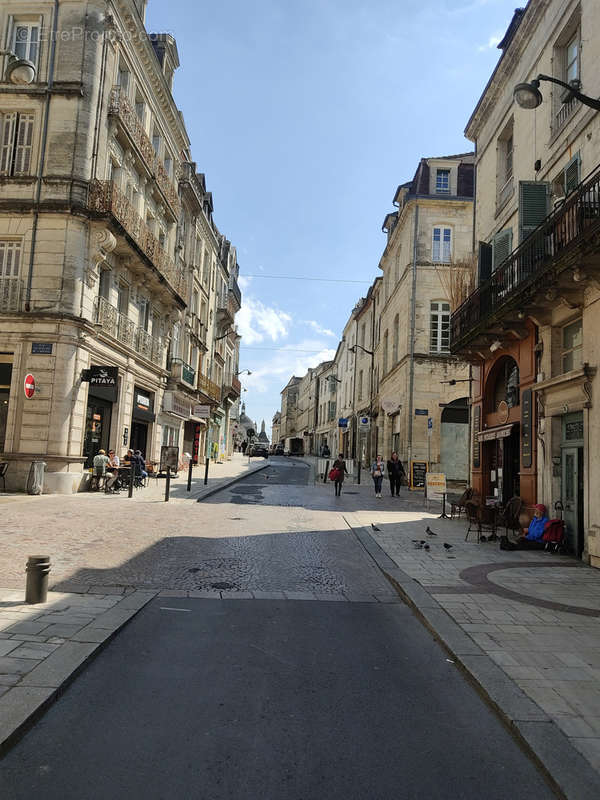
29	385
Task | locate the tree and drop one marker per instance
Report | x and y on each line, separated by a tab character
250	434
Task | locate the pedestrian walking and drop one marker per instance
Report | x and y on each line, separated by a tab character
338	471
396	474
244	446
377	472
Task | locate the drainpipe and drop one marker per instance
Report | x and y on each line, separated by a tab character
38	194
413	309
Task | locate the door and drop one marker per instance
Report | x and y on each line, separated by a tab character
139	437
97	429
572	497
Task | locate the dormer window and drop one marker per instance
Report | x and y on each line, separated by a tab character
442	181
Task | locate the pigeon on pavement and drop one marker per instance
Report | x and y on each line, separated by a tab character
447	546
375	528
425	547
429	532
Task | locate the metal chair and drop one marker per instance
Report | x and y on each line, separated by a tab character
456	506
3	469
481	518
509	516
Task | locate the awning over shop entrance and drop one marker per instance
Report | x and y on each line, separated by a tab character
498	432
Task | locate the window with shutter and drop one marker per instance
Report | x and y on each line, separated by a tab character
439	327
484	262
7	142
501	247
534	200
10	259
572	174
441	248
16	144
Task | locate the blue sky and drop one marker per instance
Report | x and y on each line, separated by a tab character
305	117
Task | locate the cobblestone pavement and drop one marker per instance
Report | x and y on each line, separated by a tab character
536	615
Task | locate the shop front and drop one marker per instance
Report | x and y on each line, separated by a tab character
142	418
6	360
102	395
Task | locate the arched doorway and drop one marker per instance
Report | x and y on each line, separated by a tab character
454	440
501	439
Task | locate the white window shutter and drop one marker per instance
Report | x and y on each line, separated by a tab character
24	144
436	245
7	141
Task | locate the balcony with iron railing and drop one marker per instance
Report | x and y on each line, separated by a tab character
209	388
231	386
226	309
106	198
236	294
535	266
11	295
117	325
120	106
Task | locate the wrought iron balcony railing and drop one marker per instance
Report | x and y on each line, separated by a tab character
120	106
188	374
105	198
123	329
533	265
11	294
236	294
209	388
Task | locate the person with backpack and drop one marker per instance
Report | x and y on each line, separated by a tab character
337	473
395	474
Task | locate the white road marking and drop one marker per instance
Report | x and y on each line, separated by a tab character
168	608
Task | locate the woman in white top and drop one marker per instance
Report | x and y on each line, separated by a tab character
377	473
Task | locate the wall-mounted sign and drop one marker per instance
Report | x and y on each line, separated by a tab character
29	386
173	405
41	348
103	376
125	436
196	446
343	422
201	411
143	405
476	445
526	429
503	412
418	471
421	412
364	424
429	426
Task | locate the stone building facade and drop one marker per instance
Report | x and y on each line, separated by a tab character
117	291
532	325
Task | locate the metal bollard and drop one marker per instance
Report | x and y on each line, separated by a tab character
36	588
189	483
326	471
358	481
168	485
131	479
206	471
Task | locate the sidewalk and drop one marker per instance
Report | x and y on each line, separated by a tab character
525	626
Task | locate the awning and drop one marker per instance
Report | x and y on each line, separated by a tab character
498	432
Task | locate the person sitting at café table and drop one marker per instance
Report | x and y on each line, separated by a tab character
100	462
532	538
113	468
140	463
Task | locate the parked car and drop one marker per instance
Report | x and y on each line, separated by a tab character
259	450
279	450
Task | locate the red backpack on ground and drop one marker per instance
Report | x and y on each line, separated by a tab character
554	534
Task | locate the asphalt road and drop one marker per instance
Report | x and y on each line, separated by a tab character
273	699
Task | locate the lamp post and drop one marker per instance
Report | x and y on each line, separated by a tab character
18	71
528	95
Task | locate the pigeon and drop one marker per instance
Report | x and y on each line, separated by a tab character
429	532
447	546
418	546
426	547
375	528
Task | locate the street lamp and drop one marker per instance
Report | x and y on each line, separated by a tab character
528	95
242	372
19	71
364	349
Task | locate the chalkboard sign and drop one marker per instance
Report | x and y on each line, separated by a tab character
418	471
526	413
476	445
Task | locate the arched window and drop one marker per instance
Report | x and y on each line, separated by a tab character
395	337
506	386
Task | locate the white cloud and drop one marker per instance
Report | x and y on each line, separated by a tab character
318	328
244	282
257	322
271	371
493	41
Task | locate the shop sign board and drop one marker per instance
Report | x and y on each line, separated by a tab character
203	412
173	405
169	457
364	424
475	432
343	422
41	348
29	386
418	471
435	483
104	379
421	412
526	429
196	447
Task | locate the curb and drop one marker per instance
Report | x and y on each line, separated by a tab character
564	767
229	482
26	702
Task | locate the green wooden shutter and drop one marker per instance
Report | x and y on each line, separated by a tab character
534	198
501	247
572	176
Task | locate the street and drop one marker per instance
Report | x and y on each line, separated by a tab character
229	694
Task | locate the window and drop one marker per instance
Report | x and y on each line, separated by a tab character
572	346
534	201
170	435
145	317
567	68
505	155
156	141
442	181
572	60
501	247
360	385
439	339
10	259
16	137
104	284
123	79
169	166
363	328
441	251
26	40
140	111
395	337
385	354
